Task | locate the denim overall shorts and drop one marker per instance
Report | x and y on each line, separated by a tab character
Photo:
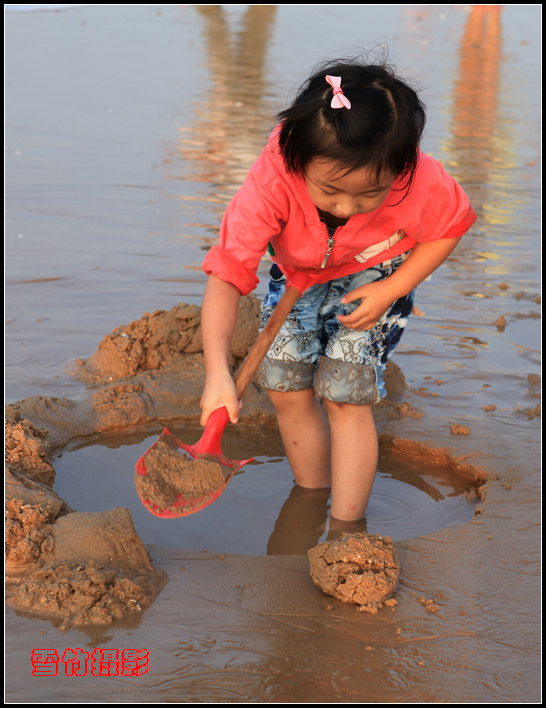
314	350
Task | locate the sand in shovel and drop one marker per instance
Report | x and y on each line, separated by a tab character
175	481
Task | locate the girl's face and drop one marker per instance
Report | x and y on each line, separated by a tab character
343	194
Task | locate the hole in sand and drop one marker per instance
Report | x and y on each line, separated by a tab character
261	511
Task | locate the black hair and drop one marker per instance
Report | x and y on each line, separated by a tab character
382	130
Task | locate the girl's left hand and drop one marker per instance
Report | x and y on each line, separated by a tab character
376	299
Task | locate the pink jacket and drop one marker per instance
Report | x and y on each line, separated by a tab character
273	206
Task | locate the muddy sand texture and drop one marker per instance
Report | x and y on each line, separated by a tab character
72	567
159	339
174	481
92	568
358	568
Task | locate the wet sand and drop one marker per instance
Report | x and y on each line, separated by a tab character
75	586
231	628
358	568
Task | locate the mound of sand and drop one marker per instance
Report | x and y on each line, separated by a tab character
72	567
159	339
358	568
27	449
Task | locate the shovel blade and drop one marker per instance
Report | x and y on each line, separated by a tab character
173	479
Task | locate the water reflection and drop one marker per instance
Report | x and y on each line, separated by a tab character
232	116
473	149
301	522
481	150
475	146
262	510
476	88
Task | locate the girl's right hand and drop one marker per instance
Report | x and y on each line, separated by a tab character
219	391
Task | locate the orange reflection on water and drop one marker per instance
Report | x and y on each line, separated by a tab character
476	89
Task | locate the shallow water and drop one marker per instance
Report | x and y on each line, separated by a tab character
261	511
128	128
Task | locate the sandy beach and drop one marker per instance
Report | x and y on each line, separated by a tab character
128	129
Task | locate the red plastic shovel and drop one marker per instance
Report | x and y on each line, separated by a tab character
177	493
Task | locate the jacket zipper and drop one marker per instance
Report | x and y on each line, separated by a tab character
330	243
329	247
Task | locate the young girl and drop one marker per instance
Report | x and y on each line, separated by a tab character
342	194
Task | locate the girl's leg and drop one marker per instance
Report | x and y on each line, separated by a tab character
306	436
348	463
354	458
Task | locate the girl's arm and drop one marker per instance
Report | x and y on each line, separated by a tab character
377	297
218	319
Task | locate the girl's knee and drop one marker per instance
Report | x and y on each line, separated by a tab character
347	410
287	400
334	406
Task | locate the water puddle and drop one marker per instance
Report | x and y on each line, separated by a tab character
261	511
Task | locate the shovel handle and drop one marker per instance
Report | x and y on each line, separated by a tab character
210	442
255	356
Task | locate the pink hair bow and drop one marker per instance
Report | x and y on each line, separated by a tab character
339	99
